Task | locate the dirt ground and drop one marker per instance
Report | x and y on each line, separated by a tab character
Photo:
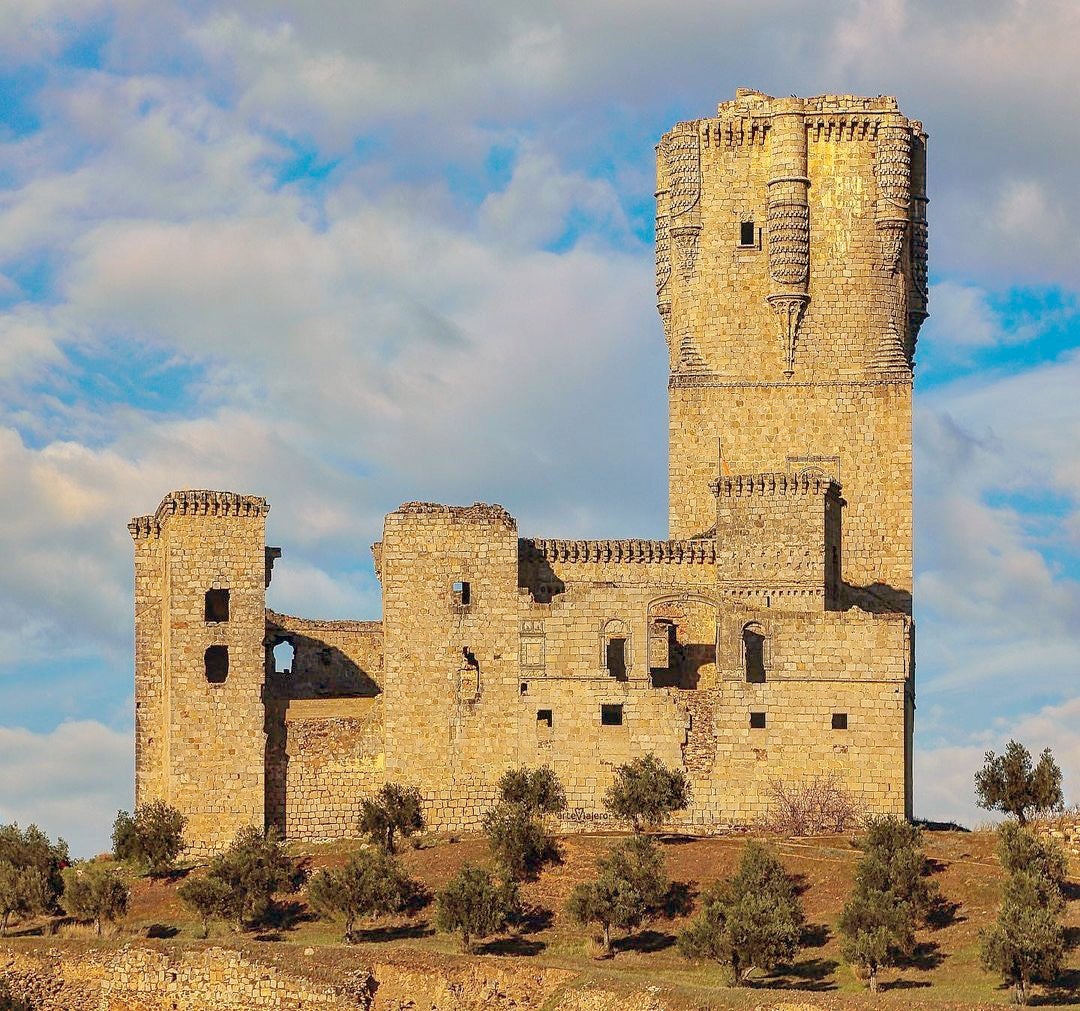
944	973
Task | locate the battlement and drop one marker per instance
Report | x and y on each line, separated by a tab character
775	484
478	512
688	552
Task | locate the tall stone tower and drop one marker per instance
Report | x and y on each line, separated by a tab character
791	281
200	623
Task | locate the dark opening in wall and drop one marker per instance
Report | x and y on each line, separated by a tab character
611	715
757	721
747	235
543	718
462	593
754	654
216	607
216	660
839	721
616	658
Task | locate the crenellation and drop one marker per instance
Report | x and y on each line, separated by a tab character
769	638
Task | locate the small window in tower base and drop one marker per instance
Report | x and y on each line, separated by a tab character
757	721
216	659
216	607
839	721
611	715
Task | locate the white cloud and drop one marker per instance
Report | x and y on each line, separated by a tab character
70	782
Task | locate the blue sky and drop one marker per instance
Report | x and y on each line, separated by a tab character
346	255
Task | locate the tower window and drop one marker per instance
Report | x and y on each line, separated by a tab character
839	721
544	718
747	234
284	655
216	606
757	721
611	715
616	658
754	653
216	660
462	593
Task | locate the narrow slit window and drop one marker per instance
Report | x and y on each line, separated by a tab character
216	660
216	606
747	235
611	715
524	688
462	593
839	721
544	719
754	654
616	658
757	721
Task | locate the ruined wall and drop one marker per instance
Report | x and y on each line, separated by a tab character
331	658
794	349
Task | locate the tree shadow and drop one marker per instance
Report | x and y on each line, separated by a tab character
679	900
1071	891
926	956
161	930
1072	938
811	974
512	946
645	941
282	917
815	935
1065	991
906	984
939	826
800	883
392	932
943	913
531	919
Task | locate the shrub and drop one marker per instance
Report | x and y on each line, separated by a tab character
537	790
208	897
394	809
372	883
95	893
248	873
1020	849
639	861
152	838
476	904
610	902
823	806
517	839
893	862
646	791
751	921
1027	944
30	872
1008	783
878	930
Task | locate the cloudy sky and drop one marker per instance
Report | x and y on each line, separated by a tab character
348	254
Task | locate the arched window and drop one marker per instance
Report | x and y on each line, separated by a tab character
753	648
284	656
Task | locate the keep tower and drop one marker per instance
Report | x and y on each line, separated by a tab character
791	280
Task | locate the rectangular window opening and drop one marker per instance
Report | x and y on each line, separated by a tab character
757	721
611	715
462	593
544	718
216	606
216	660
616	658
839	721
524	688
747	234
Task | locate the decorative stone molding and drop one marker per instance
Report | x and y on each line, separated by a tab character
693	552
788	228
788	310
201	502
663	250
742	485
478	512
682	154
684	242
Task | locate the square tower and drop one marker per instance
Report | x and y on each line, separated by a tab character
791	281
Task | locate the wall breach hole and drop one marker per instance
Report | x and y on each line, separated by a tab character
611	715
839	721
284	655
216	606
543	719
462	593
757	721
216	659
616	659
747	236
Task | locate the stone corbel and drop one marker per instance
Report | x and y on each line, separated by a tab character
684	244
891	235
788	308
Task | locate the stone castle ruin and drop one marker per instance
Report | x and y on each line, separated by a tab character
768	639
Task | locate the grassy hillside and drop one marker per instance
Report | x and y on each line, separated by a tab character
946	969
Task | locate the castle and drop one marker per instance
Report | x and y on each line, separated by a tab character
769	639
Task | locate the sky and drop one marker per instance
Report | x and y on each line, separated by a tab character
348	255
